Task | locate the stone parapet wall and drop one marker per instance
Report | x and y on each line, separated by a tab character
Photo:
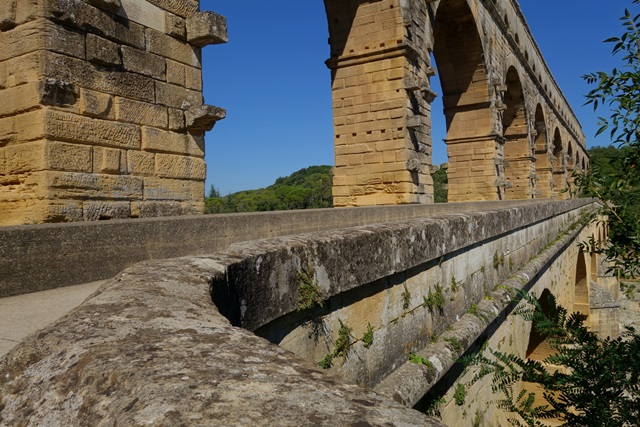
47	256
158	345
102	113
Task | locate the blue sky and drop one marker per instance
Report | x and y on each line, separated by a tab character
272	80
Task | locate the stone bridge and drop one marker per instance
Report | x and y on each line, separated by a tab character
234	332
112	93
510	132
103	118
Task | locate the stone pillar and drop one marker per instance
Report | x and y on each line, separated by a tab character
380	104
475	168
102	114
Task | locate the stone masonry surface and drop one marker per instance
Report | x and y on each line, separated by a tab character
102	114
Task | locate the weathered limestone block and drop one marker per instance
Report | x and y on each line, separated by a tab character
177	97
96	104
141	113
151	209
99	210
47	155
7	15
58	93
193	78
156	140
109	5
183	8
168	47
144	13
203	118
143	371
70	127
108	160
140	163
80	15
19	99
73	185
83	74
206	28
102	51
142	62
175	73
26	10
24	69
172	189
176	119
40	34
175	26
180	167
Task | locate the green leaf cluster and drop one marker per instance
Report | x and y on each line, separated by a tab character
599	384
614	176
440	179
308	188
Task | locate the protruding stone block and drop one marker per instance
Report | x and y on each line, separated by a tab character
203	118
205	28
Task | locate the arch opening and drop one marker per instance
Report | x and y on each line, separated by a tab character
519	168
558	165
459	57
581	290
542	152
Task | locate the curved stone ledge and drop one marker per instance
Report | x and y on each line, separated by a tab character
149	348
344	259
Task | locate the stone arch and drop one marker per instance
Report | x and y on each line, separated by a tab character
518	153
543	162
538	348
558	164
581	287
377	160
459	56
595	243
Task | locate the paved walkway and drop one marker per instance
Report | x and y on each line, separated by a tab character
24	314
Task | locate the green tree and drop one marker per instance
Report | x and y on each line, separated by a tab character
617	183
440	192
307	188
597	385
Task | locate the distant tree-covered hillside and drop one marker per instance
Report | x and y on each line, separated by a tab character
305	189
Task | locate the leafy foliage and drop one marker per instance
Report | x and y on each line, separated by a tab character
616	180
307	188
440	192
341	348
367	337
598	383
309	295
414	358
435	300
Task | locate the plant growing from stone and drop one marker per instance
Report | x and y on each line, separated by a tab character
406	298
341	346
455	344
435	300
309	295
367	338
414	358
460	394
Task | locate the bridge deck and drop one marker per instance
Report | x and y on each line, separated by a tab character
23	315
